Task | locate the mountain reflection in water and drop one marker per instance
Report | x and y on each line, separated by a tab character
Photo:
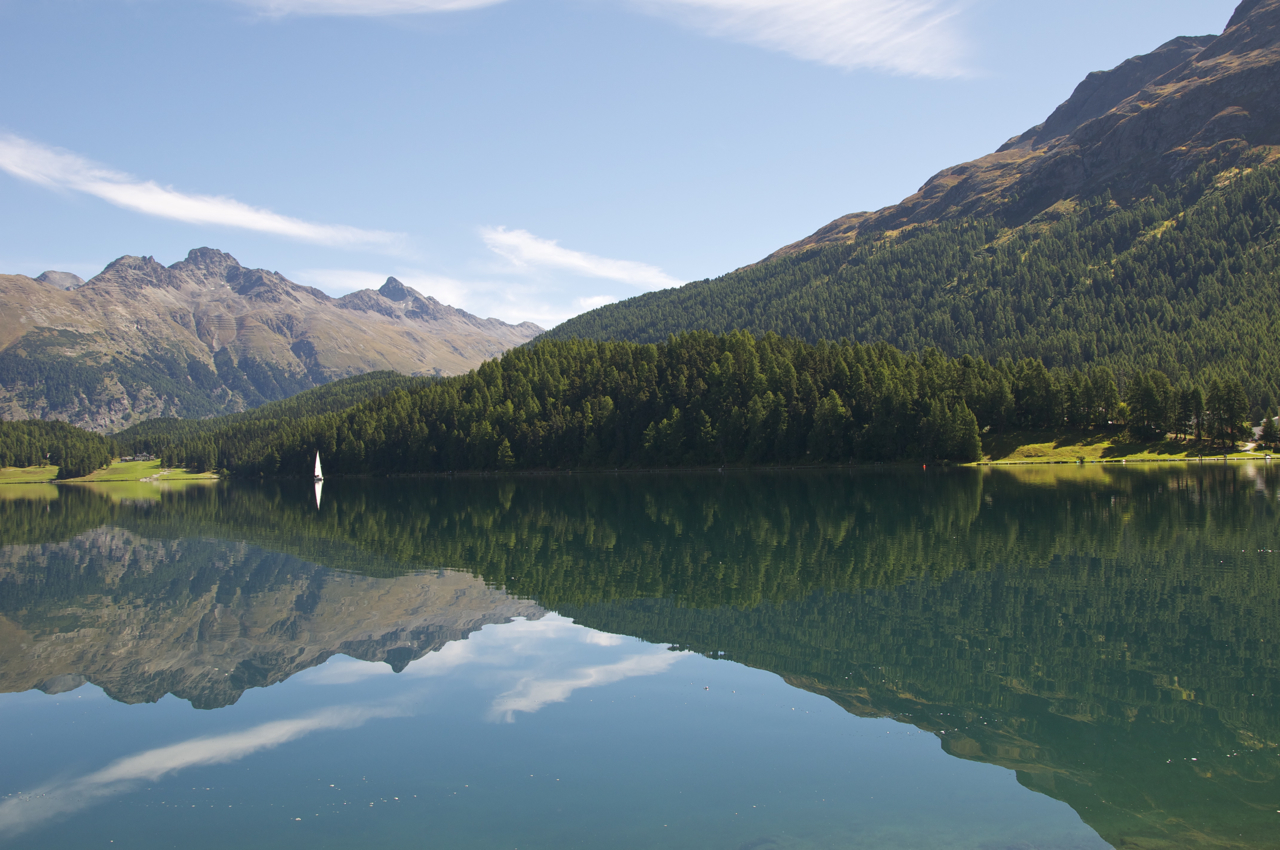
1108	633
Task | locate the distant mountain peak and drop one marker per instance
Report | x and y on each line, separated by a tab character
62	280
394	290
133	272
208	262
208	335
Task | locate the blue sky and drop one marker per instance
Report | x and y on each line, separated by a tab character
525	159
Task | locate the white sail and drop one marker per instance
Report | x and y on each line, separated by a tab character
319	487
319	474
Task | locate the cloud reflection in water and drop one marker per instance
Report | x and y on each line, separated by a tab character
23	811
531	664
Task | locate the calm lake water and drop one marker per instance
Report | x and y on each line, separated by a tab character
1055	657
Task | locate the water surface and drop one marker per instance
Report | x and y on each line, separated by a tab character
1053	658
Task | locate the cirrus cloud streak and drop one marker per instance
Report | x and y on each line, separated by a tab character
280	8
58	169
530	253
911	37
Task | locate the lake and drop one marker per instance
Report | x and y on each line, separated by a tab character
1048	657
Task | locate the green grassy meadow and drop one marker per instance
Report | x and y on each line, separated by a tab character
139	471
28	475
1099	446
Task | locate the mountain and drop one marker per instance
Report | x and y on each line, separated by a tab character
232	617
1134	228
206	336
62	280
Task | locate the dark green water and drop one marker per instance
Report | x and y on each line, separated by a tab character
1063	657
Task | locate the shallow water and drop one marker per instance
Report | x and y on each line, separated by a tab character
1054	658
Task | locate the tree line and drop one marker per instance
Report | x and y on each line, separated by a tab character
155	435
1155	407
698	399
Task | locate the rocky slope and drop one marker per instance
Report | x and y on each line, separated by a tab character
205	620
1148	121
206	336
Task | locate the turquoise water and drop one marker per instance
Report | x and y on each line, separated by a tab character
1069	658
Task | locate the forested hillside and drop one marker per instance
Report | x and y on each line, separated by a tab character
1183	282
1134	229
705	400
155	435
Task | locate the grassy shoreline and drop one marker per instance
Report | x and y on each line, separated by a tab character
132	471
1102	446
1017	448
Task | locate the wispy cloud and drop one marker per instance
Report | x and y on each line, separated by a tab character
511	301
62	170
521	290
364	7
338	282
593	301
22	811
534	693
913	37
532	253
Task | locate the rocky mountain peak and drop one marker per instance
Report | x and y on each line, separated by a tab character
394	290
1249	8
208	263
135	272
1254	29
207	335
1102	91
62	280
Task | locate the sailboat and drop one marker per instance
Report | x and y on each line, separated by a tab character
319	480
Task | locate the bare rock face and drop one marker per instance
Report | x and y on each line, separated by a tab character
397	301
206	335
1152	119
206	620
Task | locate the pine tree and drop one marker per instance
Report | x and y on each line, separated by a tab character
1270	431
506	459
966	439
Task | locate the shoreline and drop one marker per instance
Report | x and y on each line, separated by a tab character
175	475
19	476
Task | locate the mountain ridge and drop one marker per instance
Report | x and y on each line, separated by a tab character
206	335
260	618
1109	133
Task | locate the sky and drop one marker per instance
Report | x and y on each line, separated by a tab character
522	159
